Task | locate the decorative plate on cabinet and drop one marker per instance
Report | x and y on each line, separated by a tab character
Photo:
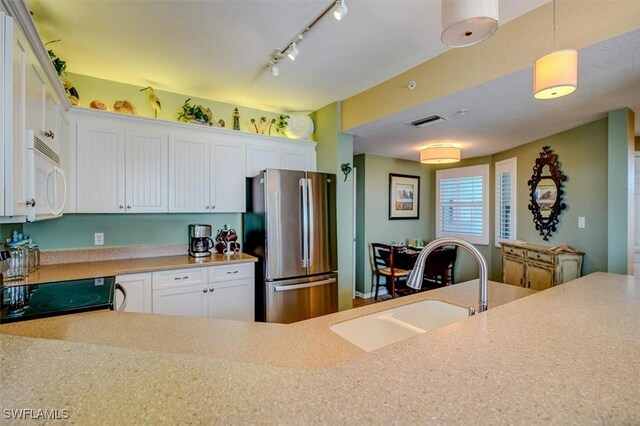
300	126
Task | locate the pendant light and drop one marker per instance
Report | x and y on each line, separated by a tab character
467	22
555	74
440	154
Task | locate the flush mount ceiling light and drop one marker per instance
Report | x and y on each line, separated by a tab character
440	154
467	22
340	10
556	74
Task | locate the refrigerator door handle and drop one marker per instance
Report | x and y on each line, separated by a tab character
305	285
304	223
310	221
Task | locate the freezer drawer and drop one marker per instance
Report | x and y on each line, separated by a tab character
299	299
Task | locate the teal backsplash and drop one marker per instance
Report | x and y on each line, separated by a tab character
76	230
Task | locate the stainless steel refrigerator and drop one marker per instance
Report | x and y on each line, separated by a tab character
290	225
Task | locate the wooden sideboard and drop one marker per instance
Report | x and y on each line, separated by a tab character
538	267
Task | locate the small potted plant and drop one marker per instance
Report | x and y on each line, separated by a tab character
282	124
195	114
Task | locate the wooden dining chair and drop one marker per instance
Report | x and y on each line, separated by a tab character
384	266
439	266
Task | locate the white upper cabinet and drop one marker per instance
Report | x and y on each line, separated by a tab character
189	172
100	171
228	186
290	155
5	97
260	158
121	169
30	97
15	185
298	160
135	165
146	171
35	97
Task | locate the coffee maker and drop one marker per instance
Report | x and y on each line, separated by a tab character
200	241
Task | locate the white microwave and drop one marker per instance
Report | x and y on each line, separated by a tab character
46	181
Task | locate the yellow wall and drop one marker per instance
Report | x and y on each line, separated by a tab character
90	88
514	47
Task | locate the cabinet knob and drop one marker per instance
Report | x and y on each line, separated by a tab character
211	289
205	290
121	206
49	134
207	207
213	207
31	202
128	206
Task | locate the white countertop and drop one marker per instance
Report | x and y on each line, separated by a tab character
565	355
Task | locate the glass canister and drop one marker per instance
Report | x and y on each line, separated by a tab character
34	258
18	264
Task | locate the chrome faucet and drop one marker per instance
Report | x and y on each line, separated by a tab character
415	278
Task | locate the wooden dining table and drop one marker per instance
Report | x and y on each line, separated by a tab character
406	259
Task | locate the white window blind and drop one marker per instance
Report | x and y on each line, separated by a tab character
461	203
506	172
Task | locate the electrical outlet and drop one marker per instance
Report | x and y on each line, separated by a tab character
581	222
98	238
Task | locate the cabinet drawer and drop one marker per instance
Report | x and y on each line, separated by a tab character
231	272
513	251
540	257
179	277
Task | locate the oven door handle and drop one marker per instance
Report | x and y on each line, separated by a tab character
123	305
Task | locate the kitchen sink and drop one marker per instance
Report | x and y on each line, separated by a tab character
383	328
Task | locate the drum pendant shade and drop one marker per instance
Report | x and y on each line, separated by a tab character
556	74
467	22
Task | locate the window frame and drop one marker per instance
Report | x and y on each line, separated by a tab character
504	166
481	170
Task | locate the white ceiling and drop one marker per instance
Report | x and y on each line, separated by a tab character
503	113
218	49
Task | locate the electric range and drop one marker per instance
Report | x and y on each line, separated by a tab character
25	302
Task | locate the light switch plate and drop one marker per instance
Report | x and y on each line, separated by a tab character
98	238
581	222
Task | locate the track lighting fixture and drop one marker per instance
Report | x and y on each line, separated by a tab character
292	51
340	9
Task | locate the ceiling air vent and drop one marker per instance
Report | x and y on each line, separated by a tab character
428	121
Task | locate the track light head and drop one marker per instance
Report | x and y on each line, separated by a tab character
275	71
340	9
292	51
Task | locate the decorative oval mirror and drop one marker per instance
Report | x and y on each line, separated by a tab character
546	196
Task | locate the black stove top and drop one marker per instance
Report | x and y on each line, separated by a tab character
24	302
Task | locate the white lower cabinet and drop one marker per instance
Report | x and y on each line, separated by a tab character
138	288
182	300
227	292
234	291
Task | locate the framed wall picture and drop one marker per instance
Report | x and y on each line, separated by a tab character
404	196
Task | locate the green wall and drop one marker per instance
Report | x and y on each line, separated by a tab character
583	154
333	149
76	230
620	189
6	230
91	88
373	224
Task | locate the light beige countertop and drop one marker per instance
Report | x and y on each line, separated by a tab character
107	268
567	355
